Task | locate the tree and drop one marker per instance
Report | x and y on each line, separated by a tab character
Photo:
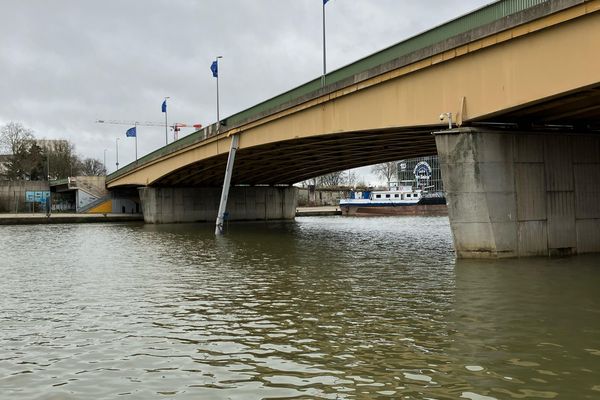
333	179
30	157
28	163
24	155
92	167
387	171
36	163
14	137
62	158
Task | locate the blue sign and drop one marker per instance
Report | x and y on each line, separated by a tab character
37	196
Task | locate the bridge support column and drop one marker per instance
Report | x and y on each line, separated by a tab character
162	205
514	194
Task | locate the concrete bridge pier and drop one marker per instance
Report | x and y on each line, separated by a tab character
515	194
163	205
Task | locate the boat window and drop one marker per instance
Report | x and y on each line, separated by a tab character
378	196
387	196
397	195
408	195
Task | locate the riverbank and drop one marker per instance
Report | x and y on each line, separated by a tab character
72	218
65	218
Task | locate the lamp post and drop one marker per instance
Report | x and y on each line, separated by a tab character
104	165
324	48
117	143
135	130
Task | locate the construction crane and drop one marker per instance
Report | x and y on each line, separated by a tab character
176	127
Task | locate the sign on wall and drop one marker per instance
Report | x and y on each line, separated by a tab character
422	173
37	196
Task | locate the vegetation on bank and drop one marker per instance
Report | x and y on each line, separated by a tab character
27	158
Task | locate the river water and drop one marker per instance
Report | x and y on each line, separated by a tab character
323	307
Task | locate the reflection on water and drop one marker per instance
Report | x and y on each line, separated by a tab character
329	308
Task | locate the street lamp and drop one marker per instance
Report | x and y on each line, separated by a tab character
117	142
104	165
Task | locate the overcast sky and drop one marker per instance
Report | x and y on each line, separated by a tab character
67	63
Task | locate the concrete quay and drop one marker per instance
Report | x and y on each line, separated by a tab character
318	211
65	218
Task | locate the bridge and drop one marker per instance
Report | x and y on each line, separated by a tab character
521	164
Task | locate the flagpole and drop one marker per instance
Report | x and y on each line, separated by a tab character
166	123
324	48
135	130
218	118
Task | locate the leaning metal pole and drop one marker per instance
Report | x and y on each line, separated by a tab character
226	183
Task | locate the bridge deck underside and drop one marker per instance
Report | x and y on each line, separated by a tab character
579	109
296	160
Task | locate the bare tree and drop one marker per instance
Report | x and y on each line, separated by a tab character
62	158
92	167
351	178
14	137
333	179
24	158
387	171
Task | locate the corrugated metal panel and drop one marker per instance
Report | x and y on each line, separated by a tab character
561	220
559	163
587	190
531	191
588	236
532	238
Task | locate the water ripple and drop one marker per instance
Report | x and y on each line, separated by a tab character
332	308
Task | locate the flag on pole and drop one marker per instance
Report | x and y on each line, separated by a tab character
164	106
325	2
131	132
214	67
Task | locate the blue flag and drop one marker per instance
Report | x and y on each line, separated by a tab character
164	106
214	67
131	132
325	2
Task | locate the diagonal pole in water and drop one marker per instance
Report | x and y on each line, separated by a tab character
226	184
